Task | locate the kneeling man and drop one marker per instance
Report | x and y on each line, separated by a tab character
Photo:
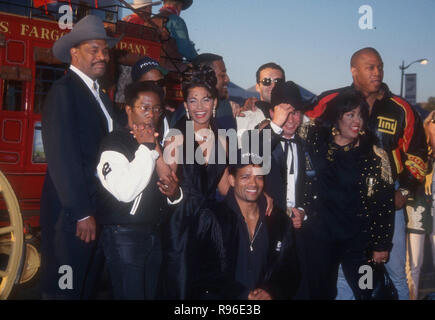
261	257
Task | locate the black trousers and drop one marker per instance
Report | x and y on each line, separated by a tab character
133	257
67	264
321	257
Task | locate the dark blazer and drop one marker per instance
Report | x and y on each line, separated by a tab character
281	277
73	126
276	180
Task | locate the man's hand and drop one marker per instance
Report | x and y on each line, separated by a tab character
380	256
86	229
250	104
144	133
280	113
259	294
399	200
169	186
237	110
297	218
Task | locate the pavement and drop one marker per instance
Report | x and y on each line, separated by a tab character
427	283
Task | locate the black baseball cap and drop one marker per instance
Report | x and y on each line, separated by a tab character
143	66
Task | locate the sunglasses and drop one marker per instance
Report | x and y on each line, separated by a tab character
160	83
268	81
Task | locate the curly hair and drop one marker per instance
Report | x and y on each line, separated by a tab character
344	102
199	76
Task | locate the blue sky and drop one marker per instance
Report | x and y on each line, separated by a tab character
314	39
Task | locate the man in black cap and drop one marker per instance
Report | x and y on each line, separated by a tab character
286	179
261	259
76	116
150	71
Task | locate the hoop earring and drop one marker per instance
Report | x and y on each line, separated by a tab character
187	114
335	131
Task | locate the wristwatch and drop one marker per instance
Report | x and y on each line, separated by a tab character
404	192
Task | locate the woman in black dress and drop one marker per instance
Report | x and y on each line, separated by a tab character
348	198
193	250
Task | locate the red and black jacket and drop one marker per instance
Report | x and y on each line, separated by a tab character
400	133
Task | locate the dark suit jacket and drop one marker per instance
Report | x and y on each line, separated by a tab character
276	180
73	126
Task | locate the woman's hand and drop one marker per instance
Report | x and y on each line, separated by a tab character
380	256
269	201
428	184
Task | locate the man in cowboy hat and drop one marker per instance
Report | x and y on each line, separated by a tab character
143	6
177	27
76	116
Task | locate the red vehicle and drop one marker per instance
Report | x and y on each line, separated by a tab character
27	70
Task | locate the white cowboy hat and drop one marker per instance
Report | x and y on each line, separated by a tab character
137	4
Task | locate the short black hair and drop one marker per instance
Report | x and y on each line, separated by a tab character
344	102
206	59
133	89
269	65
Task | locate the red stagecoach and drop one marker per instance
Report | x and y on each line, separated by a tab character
27	70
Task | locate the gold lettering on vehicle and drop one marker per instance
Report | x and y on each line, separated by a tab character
387	125
4	26
24	28
44	33
40	32
132	48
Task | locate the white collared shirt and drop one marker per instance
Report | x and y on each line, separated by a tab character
291	178
90	84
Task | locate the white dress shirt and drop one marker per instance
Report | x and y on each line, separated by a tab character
291	178
94	87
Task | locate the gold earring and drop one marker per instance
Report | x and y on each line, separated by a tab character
362	132
335	131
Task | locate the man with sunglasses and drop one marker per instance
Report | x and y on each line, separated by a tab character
268	75
150	71
134	183
255	111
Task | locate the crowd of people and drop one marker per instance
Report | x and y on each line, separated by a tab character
220	225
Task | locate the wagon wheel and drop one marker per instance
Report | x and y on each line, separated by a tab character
11	240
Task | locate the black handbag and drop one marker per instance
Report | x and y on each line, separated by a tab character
383	287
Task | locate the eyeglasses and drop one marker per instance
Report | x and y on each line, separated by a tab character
160	83
155	109
268	81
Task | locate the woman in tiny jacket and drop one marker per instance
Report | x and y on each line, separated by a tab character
348	199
